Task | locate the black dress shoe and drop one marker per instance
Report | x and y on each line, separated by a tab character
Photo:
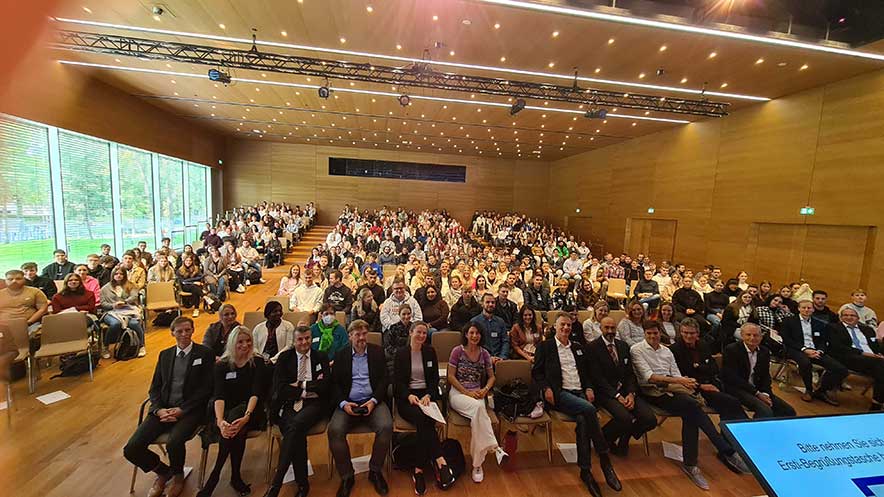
826	397
272	491
380	484
444	477
346	486
420	483
610	476
590	483
303	490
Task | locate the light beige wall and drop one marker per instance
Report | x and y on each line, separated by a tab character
735	185
295	173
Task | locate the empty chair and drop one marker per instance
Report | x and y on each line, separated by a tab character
584	315
375	338
341	316
161	297
297	317
63	333
617	290
250	319
551	317
617	315
285	301
444	342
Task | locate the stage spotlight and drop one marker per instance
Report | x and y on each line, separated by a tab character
404	100
596	114
324	92
517	107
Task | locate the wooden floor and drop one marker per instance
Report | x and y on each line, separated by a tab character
73	448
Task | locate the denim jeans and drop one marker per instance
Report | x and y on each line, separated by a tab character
115	328
574	404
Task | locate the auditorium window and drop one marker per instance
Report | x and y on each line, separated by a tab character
366	168
27	230
197	201
172	200
136	197
86	193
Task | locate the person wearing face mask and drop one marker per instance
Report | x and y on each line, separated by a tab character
328	335
274	335
856	346
616	389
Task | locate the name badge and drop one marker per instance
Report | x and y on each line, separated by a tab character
319	367
578	352
494	335
430	364
816	333
625	360
316	340
707	360
231	375
197	361
696	365
873	339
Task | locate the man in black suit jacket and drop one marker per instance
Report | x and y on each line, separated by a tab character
359	394
179	396
806	340
745	374
562	373
301	386
856	346
615	389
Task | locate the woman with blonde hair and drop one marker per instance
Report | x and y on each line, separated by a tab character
673	285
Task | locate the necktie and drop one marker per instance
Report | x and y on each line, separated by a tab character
180	355
303	367
613	351
856	342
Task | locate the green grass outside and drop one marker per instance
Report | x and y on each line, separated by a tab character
13	255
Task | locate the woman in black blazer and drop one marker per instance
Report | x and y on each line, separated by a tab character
414	386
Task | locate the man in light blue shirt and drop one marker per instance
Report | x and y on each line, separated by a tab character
497	338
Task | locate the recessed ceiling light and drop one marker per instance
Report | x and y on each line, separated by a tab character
724	85
435	18
222	26
87	10
663	48
634	124
496	25
369	9
555	34
342	40
116	60
782	64
641	76
610	41
712	55
759	61
173	81
451	53
284	33
157	18
503	59
684	80
805	66
551	64
598	70
398	47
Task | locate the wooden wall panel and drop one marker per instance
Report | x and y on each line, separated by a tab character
732	183
295	173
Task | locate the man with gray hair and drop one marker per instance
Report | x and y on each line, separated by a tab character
745	373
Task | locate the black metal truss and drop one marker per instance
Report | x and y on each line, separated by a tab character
417	75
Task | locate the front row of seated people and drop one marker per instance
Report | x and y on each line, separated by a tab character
575	378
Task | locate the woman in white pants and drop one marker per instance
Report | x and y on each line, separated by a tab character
471	377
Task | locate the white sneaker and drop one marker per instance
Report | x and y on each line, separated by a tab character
246	282
501	456
537	411
142	352
240	289
196	313
105	353
478	474
263	280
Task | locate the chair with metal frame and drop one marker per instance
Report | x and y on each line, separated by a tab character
160	441
63	333
505	372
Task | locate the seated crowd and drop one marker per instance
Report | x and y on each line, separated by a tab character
112	291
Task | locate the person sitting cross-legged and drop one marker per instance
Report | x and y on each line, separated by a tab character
806	341
179	394
663	386
359	392
856	346
745	373
562	372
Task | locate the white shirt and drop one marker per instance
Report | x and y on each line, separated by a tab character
570	377
753	360
186	351
306	298
646	361
390	310
807	331
572	266
516	296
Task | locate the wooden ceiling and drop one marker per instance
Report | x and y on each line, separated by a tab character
467	32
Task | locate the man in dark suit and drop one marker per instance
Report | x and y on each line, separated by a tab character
694	359
359	392
856	346
615	389
745	373
179	395
301	386
806	340
562	373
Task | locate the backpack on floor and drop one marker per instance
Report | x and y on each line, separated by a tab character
515	399
127	347
77	364
211	304
165	318
405	449
253	276
453	454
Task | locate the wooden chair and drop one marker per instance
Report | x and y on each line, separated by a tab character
617	290
18	331
204	456
617	315
161	297
274	437
376	338
454	418
551	317
505	372
61	334
444	342
161	441
341	316
582	316
282	299
297	317
252	319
